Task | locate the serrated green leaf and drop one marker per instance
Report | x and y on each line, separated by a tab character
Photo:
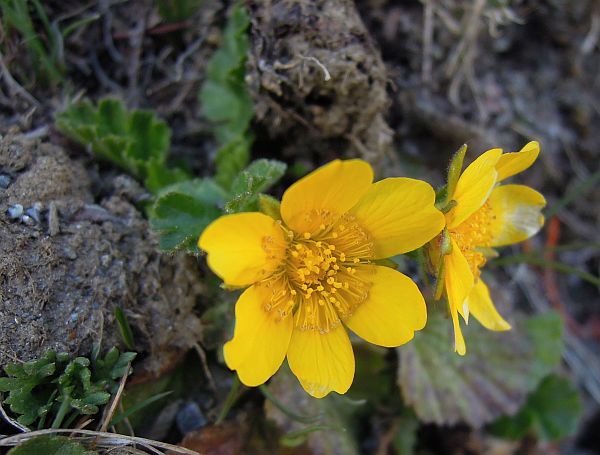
51	445
111	118
492	379
136	141
179	219
258	177
205	190
336	437
231	160
150	137
552	411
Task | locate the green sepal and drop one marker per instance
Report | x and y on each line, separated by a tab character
454	170
269	206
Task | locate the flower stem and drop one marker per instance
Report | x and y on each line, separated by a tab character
230	400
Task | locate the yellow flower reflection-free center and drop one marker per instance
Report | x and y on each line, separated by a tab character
321	269
312	275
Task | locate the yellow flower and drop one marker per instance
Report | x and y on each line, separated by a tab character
312	273
486	215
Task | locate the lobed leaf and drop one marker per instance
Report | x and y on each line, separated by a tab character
179	219
493	379
136	141
259	176
51	445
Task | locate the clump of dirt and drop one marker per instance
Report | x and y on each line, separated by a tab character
66	264
318	80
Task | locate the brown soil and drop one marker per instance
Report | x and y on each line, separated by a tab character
63	276
318	80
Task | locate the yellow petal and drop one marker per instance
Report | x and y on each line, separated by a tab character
483	309
510	164
322	362
518	213
458	278
243	248
393	310
399	214
325	194
458	282
459	341
260	339
474	187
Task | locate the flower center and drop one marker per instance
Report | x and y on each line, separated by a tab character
474	234
325	274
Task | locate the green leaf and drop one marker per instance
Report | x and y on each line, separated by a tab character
205	190
51	445
552	412
179	219
330	432
23	380
159	177
492	379
225	99
256	178
405	436
150	137
112	367
88	404
111	118
231	159
228	62
136	141
57	389
124	327
229	103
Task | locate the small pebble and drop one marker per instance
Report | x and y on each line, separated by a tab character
70	252
4	181
34	212
28	220
190	418
15	211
